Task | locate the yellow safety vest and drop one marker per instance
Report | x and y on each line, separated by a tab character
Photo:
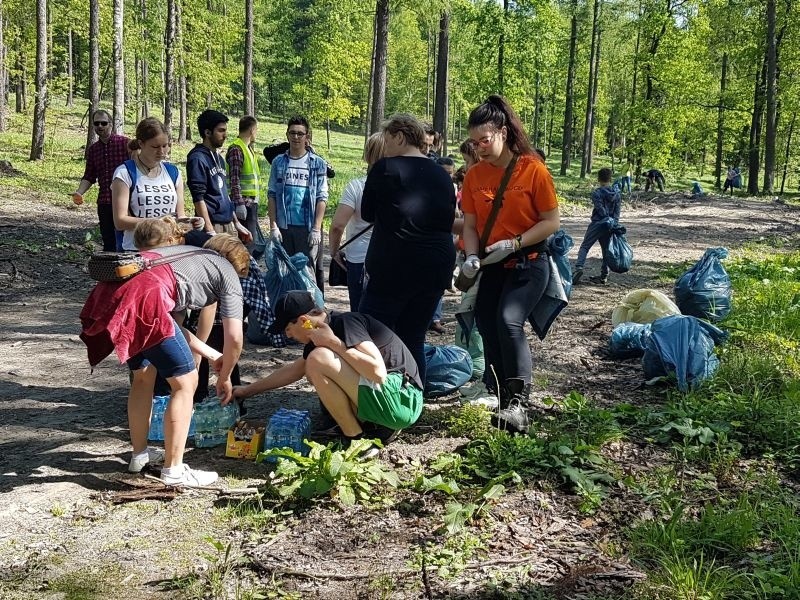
250	173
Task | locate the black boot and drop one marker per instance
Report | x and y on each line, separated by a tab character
513	416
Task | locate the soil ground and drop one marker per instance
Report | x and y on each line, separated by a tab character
64	441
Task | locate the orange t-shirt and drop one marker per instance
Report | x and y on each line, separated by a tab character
530	192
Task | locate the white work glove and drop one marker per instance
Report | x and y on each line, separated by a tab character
501	245
241	212
275	235
471	266
314	238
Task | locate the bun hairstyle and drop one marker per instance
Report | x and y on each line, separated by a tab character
497	111
146	130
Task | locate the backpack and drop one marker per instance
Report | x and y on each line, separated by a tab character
133	173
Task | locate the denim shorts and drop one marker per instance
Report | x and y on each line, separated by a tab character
171	358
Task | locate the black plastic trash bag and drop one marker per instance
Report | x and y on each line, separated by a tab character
448	368
617	254
704	291
628	340
682	347
559	245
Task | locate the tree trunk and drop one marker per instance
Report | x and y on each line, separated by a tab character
143	73
368	111
209	98
587	123
552	118
94	67
536	109
381	59
771	93
3	73
628	125
119	68
249	95
21	104
70	82
442	65
566	137
786	154
37	139
590	155
501	51
183	118
754	149
723	82
429	53
169	64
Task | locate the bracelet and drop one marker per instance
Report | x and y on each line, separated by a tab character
517	242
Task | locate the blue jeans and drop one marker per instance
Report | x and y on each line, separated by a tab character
437	314
590	240
171	358
355	284
406	312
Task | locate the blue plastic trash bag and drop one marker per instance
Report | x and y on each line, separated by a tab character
628	340
559	245
682	347
618	254
448	368
285	273
697	190
704	291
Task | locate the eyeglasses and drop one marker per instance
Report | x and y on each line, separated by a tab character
100	123
296	133
484	142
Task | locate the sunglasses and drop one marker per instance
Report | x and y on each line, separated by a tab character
100	123
484	142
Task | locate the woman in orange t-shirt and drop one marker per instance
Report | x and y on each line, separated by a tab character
515	268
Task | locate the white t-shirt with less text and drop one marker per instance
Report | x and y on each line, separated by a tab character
153	197
356	252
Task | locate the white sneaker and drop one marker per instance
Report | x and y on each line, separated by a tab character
488	400
190	478
473	390
154	456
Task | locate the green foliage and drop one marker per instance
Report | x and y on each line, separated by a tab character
449	558
340	474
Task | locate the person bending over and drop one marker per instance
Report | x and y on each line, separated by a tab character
358	366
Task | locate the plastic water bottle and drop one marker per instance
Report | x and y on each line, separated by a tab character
212	421
288	429
156	433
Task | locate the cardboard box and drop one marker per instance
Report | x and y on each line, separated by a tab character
245	448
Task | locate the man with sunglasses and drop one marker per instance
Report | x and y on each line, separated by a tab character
298	194
102	159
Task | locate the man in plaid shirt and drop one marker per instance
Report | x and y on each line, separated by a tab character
102	159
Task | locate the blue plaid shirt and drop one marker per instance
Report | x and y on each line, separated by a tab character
255	297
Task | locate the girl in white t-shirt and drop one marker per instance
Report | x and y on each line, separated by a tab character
155	194
347	219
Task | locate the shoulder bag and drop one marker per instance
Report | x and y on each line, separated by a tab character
463	282
337	275
121	266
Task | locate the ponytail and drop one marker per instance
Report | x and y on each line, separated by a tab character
497	111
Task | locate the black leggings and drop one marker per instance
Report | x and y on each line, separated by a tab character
506	297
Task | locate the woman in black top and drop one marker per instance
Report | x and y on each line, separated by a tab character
411	255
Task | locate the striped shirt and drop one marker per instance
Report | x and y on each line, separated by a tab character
203	279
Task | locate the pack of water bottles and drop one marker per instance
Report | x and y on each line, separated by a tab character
156	433
212	421
287	429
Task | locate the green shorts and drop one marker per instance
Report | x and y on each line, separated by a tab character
392	404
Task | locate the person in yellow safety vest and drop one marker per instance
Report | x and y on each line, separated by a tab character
244	178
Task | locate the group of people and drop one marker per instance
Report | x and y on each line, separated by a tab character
366	365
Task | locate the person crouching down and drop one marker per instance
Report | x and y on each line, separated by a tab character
360	369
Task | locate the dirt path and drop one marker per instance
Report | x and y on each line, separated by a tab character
63	432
